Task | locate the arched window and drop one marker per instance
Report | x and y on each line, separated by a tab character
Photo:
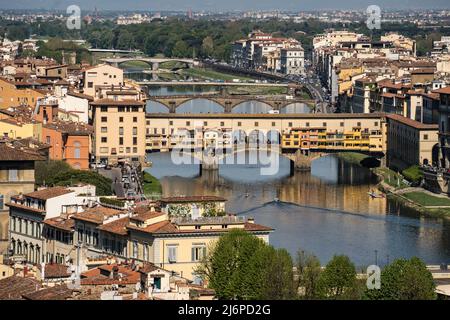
77	152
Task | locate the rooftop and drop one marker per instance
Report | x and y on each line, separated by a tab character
97	214
412	123
192	199
48	193
59	292
9	152
14	287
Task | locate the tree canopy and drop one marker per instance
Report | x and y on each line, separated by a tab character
404	280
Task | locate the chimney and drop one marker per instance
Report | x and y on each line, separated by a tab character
251	220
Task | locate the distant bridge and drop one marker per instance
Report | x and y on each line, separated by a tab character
212	83
115	51
228	102
153	62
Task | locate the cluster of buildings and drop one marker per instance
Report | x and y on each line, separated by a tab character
69	239
263	52
366	76
137	18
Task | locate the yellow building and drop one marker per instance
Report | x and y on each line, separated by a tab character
11	96
173	243
119	126
16	177
18	123
411	142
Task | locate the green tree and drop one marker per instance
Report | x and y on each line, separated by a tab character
308	272
208	46
180	49
338	279
125	40
278	282
404	280
234	266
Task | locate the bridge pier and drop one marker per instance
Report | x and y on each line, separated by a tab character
209	162
155	66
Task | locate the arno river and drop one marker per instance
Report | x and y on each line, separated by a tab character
326	211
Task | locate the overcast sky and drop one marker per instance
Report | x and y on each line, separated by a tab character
226	5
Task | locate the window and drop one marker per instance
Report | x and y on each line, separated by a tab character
104	139
128	150
358	124
121	141
104	119
134	149
256	124
239	124
425	137
170	123
12	175
135	250
104	129
172	253
134	141
47	139
121	130
341	124
324	124
120	119
90	84
2	201
134	130
222	123
77	150
198	252
134	119
205	123
104	150
188	123
145	258
307	124
290	124
104	109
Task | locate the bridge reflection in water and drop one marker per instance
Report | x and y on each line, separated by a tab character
326	211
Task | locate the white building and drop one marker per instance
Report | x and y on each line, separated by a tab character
292	61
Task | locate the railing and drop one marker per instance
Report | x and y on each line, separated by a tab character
208	220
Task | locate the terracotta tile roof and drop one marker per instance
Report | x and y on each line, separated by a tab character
10	153
54	270
167	227
445	90
14	287
97	214
61	223
80	95
147	215
412	123
101	275
21	206
71	128
48	193
191	199
59	292
118	226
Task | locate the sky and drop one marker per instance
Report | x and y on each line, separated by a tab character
222	5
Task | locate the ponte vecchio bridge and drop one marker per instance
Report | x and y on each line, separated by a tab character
301	138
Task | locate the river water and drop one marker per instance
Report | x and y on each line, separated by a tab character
326	211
